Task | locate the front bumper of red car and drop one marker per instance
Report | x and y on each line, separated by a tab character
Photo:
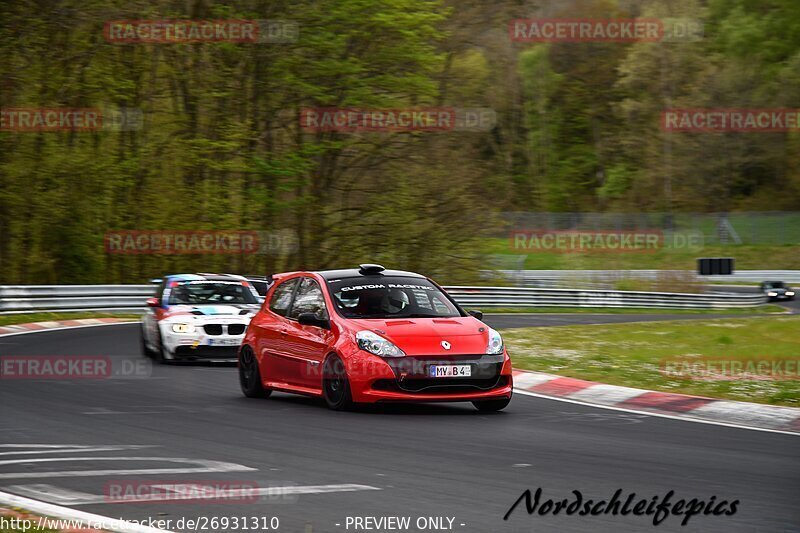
408	379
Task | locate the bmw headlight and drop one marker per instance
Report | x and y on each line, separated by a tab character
495	343
183	328
772	293
375	344
789	293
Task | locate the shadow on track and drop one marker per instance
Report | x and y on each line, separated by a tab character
399	408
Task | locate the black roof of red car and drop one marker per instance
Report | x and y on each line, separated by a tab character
362	272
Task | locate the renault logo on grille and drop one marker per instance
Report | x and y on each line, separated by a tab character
445	345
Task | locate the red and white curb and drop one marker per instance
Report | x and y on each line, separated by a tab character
16	329
50	514
697	408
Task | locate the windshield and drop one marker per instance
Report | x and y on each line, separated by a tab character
211	293
390	297
774	285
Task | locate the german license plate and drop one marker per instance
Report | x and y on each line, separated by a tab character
450	371
224	342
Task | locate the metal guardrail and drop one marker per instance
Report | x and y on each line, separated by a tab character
526	277
489	297
130	298
69	298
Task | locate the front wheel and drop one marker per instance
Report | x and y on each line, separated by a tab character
335	385
489	406
250	375
146	351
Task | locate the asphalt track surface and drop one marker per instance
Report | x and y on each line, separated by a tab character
425	460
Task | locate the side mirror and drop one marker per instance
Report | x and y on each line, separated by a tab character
477	314
152	302
311	319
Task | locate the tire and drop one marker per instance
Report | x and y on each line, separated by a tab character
147	352
250	375
335	385
159	353
491	406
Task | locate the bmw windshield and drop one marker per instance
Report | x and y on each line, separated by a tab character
390	297
211	293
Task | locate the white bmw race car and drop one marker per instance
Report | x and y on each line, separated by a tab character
198	317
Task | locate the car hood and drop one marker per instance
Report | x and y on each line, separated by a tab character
425	336
224	310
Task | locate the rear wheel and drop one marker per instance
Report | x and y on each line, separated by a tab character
250	375
488	406
335	385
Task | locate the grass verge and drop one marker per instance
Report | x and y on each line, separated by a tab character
6	320
20	521
632	354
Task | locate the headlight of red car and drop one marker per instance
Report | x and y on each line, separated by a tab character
495	343
375	344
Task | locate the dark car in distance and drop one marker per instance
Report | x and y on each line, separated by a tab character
777	290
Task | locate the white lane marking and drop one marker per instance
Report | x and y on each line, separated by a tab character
748	413
66	327
53	494
660	415
70	448
607	394
57	511
204	466
43	445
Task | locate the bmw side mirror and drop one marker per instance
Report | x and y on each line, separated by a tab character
152	302
477	314
311	319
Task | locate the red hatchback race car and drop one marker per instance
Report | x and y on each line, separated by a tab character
371	335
